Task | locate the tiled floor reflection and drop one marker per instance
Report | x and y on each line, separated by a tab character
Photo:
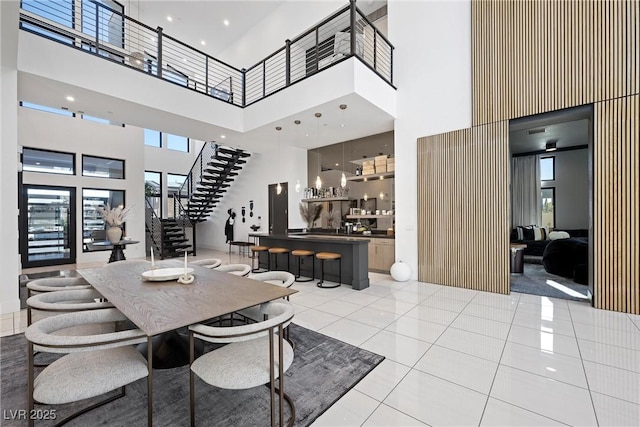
461	357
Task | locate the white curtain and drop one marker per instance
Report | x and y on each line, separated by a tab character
526	200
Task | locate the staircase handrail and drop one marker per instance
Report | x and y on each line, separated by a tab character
154	226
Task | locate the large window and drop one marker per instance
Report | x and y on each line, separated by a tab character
35	160
47	109
174	183
178	143
102	167
93	225
153	191
548	207
547	168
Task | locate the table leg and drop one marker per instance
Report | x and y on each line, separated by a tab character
170	350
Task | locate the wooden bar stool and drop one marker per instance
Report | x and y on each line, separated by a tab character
299	253
255	253
275	252
329	256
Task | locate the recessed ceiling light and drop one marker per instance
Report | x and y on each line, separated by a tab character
223	136
337	164
169	18
184	60
203	43
70	98
226	22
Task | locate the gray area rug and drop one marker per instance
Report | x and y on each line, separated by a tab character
323	370
535	280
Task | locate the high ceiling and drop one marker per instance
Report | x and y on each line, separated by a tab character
192	22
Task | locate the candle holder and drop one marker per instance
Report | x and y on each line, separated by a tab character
186	279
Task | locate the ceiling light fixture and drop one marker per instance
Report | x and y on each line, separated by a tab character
226	22
278	187
297	122
203	43
551	146
169	18
70	98
318	180
343	178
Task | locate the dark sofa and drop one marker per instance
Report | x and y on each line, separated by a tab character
537	247
568	258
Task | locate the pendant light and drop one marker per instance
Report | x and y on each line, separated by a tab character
297	122
343	178
278	187
318	180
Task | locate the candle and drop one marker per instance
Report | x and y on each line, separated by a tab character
152	263
185	263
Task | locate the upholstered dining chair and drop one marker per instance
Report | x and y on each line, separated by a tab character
237	269
91	365
208	262
54	284
255	354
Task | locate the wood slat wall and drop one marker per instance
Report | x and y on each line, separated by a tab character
617	204
463	203
531	57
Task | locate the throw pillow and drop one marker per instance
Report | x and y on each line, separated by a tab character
528	234
555	235
537	233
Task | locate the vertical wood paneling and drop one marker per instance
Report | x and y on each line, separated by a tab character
461	188
536	56
617	204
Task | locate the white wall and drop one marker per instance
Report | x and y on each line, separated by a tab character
73	135
432	71
572	189
262	169
9	257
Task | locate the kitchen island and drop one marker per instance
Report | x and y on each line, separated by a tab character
354	251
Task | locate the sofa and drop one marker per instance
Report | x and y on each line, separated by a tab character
536	247
568	258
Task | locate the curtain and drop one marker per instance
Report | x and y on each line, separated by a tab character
526	200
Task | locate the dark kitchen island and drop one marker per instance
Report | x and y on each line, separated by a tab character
354	251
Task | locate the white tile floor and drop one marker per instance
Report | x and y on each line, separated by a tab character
461	357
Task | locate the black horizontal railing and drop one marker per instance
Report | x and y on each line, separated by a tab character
110	34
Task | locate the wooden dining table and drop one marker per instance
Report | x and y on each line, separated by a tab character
160	307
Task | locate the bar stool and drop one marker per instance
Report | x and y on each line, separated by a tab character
329	256
275	252
299	253
255	252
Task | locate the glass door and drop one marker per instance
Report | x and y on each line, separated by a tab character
47	226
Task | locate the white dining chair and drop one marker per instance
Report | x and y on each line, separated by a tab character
91	365
237	269
208	262
255	354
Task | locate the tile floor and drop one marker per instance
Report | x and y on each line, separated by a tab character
461	357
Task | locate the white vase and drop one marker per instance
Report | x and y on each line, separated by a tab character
114	234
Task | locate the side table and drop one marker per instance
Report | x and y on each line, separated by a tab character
517	258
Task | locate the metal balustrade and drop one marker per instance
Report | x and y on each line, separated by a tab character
100	30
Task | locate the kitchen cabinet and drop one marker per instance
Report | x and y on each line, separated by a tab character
382	254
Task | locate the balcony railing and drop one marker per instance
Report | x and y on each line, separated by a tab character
109	34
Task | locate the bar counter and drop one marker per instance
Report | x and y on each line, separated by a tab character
354	251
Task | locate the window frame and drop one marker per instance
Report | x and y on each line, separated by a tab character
553	168
83	189
73	161
104	158
553	198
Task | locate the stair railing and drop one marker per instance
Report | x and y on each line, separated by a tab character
183	220
153	225
209	149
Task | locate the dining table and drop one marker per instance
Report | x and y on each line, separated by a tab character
160	307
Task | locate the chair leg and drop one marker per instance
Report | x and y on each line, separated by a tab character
150	382
192	390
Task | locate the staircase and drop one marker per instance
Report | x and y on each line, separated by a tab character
209	178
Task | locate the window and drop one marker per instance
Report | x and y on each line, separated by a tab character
548	207
34	160
93	225
46	109
547	168
59	11
174	183
153	191
152	138
102	167
178	143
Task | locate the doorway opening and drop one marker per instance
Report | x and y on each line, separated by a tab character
551	157
47	226
278	208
